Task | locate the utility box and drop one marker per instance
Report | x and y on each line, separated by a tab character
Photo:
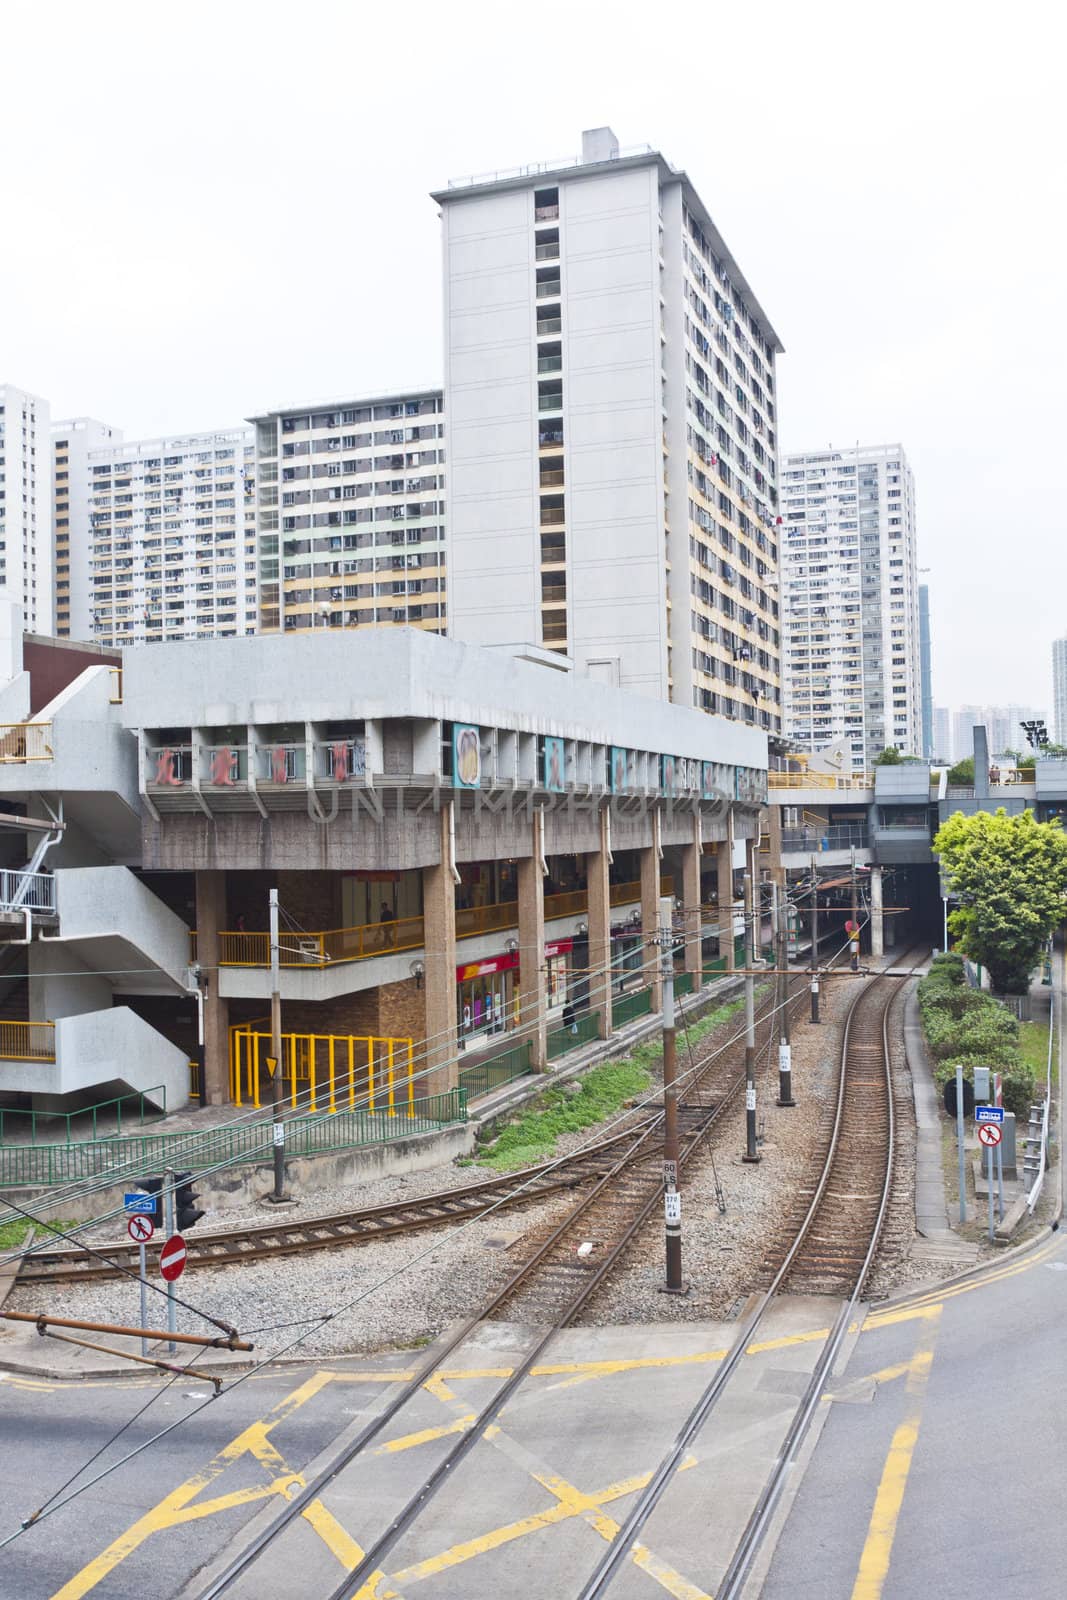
982	1087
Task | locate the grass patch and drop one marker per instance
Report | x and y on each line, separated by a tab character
1033	1047
601	1092
12	1234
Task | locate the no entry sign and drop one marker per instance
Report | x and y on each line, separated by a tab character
989	1134
140	1229
172	1258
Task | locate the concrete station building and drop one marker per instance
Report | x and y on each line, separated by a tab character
465	843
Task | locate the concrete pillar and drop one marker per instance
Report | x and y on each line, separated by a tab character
877	919
210	918
725	869
774	830
597	877
532	986
440	1063
691	901
650	922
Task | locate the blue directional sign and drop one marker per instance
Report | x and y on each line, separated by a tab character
139	1202
989	1113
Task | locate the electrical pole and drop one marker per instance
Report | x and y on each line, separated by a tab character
751	1151
785	1048
169	1181
814	944
672	1200
854	931
278	1196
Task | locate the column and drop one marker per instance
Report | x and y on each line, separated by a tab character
691	901
210	917
532	988
725	872
877	919
650	923
440	1064
600	974
754	909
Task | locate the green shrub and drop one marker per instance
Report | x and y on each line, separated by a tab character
1016	1082
988	1030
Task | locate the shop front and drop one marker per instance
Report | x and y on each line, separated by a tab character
486	999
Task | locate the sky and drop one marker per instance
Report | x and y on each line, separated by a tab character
210	209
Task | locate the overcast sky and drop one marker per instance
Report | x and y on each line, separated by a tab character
211	208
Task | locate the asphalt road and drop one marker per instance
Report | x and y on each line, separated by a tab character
948	1479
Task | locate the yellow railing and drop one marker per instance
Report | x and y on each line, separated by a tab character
27	1041
378	1073
25	741
820	780
238	948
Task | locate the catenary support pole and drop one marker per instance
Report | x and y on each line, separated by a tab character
751	1149
144	1295
814	943
672	1200
278	1195
785	1048
854	936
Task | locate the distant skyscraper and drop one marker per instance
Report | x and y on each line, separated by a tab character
71	442
943	746
1059	690
27	567
1003	725
927	683
850	603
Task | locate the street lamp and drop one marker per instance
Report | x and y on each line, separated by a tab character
1036	733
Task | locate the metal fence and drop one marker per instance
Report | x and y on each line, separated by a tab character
14	1123
40	1165
482	1077
583	1030
628	1007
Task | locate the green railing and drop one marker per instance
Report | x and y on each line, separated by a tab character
713	968
683	984
12	1123
482	1077
628	1007
586	1028
43	1164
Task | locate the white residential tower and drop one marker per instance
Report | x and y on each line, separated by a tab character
27	567
850	602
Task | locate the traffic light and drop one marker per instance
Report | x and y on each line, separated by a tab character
154	1187
186	1211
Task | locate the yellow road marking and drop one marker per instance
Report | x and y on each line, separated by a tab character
408	1441
878	1547
337	1539
933	1299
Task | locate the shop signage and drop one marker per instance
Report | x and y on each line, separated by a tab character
466	756
484	969
620	770
555	766
667	774
559	947
751	785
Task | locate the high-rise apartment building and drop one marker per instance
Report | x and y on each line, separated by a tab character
850	603
352	513
611	399
1059	690
27	564
1003	726
71	443
174	538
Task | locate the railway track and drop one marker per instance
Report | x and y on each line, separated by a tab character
295	1235
827	1248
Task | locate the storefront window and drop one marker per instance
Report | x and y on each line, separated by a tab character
484	1005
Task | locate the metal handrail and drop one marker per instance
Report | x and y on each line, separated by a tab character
27	1041
25	741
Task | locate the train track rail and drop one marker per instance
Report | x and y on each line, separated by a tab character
829	1248
298	1235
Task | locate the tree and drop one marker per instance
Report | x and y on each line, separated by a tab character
889	757
1010	877
962	773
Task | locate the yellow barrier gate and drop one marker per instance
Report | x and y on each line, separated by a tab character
355	1069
